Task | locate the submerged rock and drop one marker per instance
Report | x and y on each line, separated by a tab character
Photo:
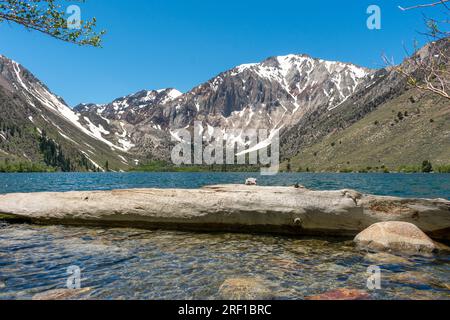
63	294
2	285
396	236
341	294
333	267
245	289
422	295
386	258
286	264
413	278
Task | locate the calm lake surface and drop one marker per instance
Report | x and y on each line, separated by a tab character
141	264
403	185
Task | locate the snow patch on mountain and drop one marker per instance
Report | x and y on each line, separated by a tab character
51	102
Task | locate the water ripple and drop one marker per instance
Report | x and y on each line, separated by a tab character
136	264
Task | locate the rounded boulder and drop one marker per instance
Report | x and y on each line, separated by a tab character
395	236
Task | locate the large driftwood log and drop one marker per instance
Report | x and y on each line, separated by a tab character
285	210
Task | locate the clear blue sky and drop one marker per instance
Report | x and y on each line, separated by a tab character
153	44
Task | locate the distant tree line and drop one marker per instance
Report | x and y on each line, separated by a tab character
425	167
53	154
55	157
23	166
163	166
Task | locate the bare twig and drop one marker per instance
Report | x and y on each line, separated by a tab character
428	70
426	5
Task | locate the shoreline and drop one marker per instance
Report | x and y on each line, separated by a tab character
165	167
249	172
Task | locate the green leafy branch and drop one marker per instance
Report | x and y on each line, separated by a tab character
49	17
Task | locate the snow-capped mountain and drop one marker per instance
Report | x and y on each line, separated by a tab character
273	94
132	108
38	108
383	88
126	121
303	98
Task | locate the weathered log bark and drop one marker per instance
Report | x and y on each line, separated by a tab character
285	210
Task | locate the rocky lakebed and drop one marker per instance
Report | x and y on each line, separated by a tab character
121	263
224	242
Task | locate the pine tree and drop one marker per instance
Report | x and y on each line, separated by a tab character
427	167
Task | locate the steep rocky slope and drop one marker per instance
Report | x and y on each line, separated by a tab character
385	123
274	94
38	126
404	131
330	115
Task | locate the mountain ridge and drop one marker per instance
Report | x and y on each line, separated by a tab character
40	114
259	95
304	98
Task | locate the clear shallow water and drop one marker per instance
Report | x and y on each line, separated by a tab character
404	185
140	264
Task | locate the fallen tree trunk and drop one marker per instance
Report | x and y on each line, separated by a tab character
284	210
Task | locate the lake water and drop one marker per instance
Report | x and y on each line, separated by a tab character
403	185
140	264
